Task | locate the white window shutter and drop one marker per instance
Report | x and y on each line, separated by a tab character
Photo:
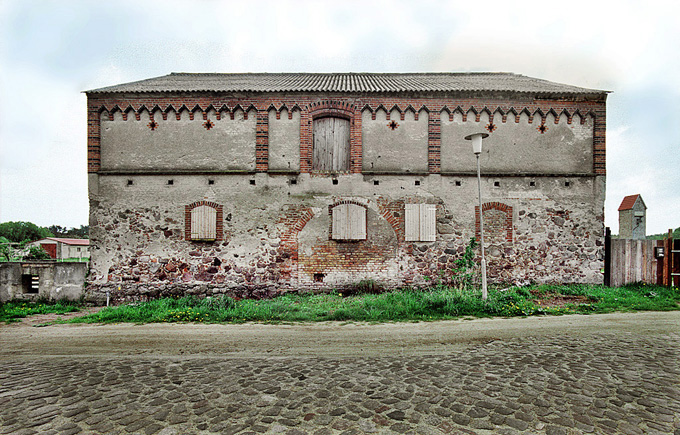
203	223
412	223
349	222
428	222
339	222
357	222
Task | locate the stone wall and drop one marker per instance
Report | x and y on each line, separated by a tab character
276	234
54	281
152	157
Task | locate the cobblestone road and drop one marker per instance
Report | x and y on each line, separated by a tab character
602	382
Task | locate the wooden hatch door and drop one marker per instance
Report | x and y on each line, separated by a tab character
331	145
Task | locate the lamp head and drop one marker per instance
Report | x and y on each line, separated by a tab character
477	141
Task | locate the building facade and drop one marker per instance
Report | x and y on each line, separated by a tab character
632	218
249	184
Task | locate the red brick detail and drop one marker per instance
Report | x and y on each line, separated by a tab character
434	142
293	220
219	233
393	212
495	227
262	141
311	107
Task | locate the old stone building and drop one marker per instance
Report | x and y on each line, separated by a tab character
253	183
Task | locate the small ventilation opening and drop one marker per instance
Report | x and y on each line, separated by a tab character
458	183
567	184
130	182
211	182
335	181
318	277
293	181
171	182
417	182
30	283
376	182
252	182
496	184
532	183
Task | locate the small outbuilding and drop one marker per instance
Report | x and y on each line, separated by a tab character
632	218
62	249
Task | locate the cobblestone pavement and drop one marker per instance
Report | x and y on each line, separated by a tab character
606	383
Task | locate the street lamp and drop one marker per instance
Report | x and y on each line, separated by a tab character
477	149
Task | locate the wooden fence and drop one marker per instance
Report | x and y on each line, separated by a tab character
629	260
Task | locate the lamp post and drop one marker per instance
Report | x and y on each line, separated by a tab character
477	149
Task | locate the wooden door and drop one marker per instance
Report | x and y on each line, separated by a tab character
331	145
50	248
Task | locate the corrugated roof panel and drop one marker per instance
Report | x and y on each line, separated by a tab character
347	82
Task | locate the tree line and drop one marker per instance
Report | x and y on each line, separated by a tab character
21	232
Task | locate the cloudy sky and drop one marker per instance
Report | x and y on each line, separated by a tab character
50	51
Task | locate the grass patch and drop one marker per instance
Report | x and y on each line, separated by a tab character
14	310
441	303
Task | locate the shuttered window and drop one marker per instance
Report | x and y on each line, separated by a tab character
203	223
331	145
421	222
349	222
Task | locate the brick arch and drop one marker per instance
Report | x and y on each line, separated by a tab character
219	209
499	228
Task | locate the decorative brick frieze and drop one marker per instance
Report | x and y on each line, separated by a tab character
348	107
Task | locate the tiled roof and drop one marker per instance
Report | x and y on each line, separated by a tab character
77	242
628	202
349	83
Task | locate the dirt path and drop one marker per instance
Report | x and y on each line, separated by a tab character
324	339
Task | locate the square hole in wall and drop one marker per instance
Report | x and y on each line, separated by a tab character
130	182
417	182
252	182
458	183
532	183
335	181
318	277
376	182
30	283
567	184
211	182
496	184
171	182
293	181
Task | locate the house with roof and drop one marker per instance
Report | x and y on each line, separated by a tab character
62	248
251	184
632	218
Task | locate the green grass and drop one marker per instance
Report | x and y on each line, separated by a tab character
402	305
14	310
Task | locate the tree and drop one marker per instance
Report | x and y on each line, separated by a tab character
18	232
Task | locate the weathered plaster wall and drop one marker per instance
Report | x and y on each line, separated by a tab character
56	280
277	233
562	148
178	144
284	141
394	145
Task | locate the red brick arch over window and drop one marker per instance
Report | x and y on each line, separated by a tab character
504	227
330	108
219	233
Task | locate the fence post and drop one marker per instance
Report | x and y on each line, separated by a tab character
607	256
